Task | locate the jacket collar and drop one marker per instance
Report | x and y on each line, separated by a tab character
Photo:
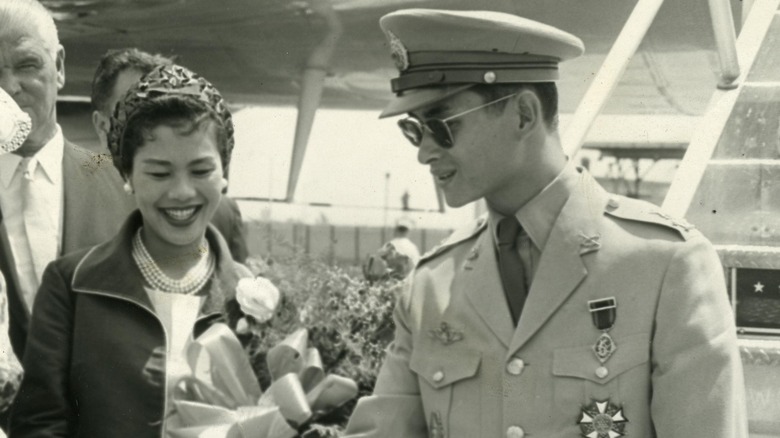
575	236
109	270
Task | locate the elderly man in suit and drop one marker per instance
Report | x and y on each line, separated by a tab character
565	311
54	196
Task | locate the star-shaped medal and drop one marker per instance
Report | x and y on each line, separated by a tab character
602	419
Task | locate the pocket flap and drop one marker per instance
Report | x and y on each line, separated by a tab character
581	361
440	369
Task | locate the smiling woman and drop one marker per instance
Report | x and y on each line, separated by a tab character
106	343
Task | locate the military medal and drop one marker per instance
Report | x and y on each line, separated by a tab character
603	311
436	428
602	419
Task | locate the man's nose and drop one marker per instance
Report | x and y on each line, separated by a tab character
9	83
429	150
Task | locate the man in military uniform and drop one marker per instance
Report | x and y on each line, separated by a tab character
565	311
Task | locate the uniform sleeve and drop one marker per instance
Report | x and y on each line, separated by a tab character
42	408
698	385
395	408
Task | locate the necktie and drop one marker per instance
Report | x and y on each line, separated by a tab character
37	224
510	266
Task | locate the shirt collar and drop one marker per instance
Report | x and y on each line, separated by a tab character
49	157
538	215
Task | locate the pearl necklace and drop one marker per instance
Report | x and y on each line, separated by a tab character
192	282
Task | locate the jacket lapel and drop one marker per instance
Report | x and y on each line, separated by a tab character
482	285
94	203
561	268
113	256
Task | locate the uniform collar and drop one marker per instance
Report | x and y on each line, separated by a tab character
538	215
49	157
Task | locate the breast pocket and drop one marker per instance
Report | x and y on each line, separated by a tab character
449	389
580	378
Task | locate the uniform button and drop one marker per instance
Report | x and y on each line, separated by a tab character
602	372
613	203
515	432
438	376
515	366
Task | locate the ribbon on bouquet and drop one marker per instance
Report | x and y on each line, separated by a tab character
221	398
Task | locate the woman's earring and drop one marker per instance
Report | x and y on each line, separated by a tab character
128	188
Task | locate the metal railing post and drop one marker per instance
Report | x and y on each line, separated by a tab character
726	42
609	74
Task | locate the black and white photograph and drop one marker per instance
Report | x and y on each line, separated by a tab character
390	218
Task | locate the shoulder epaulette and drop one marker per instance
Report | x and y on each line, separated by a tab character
641	211
459	235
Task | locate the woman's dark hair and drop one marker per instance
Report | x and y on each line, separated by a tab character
546	91
182	113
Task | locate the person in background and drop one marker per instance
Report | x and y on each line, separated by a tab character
55	197
396	258
565	310
117	71
402	244
107	338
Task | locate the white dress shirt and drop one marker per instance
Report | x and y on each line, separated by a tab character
45	174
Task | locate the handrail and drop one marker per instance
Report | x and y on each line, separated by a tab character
609	74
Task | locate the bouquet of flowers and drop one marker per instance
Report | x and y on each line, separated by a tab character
349	321
315	336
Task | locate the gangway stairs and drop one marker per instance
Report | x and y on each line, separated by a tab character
728	186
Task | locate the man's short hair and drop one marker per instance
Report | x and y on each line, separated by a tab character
115	62
29	13
547	92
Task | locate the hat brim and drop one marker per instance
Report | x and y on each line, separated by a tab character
420	97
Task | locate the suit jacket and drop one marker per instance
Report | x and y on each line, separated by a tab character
94	207
458	367
96	356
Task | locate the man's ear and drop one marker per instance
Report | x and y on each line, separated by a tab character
60	64
101	123
529	111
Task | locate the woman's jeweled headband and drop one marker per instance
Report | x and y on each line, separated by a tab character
167	80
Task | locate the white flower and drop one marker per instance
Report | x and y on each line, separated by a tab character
258	298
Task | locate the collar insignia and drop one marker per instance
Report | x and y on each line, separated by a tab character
589	243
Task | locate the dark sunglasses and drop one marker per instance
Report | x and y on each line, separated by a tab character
413	128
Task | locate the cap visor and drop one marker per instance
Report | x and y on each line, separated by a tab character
420	97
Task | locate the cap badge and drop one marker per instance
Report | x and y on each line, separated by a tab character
602	419
398	52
